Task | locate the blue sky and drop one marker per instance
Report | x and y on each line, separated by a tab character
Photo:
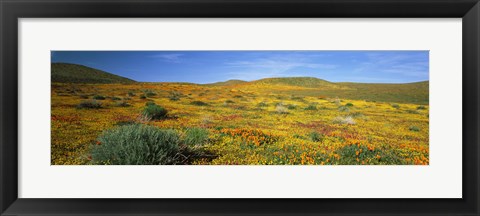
214	66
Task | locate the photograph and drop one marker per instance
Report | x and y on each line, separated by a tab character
239	107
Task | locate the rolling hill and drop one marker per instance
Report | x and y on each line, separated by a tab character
417	92
308	82
228	82
74	73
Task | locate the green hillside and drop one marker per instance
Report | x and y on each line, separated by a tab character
73	73
228	82
308	82
417	93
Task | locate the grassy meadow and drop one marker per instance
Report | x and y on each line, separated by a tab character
273	121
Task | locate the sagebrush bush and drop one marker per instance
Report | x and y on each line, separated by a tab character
412	111
280	109
414	128
315	136
291	106
311	107
116	98
175	96
99	97
155	112
143	96
89	104
136	144
298	136
122	104
196	136
421	107
336	101
343	109
344	120
131	93
262	104
199	103
150	93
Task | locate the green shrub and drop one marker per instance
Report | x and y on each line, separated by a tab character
122	104
298	136
343	109
421	107
262	104
83	96
175	96
291	106
229	101
311	107
412	111
196	136
349	105
149	93
116	98
155	112
414	128
99	97
131	93
136	145
396	106
199	103
89	104
143	96
315	136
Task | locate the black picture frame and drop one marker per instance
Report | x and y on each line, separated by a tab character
12	10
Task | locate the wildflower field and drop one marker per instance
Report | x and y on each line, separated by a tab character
289	121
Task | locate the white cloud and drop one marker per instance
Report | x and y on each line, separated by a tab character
172	58
402	64
275	66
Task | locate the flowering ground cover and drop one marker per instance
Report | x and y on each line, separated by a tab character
288	121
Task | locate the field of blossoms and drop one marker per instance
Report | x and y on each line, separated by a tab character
245	124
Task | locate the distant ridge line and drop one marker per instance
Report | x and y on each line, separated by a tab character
76	73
